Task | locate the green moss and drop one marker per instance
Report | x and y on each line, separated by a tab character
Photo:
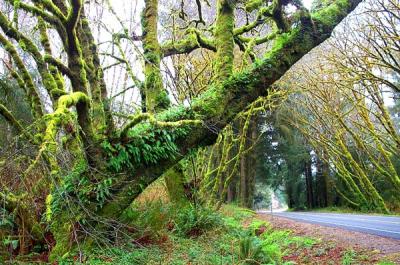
22	45
193	39
329	15
62	233
224	39
49	212
253	5
53	123
174	180
156	96
52	80
17	4
32	94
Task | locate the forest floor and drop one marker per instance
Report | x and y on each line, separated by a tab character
233	236
335	244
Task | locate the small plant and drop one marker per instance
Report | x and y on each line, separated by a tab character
193	221
11	243
250	250
348	257
258	227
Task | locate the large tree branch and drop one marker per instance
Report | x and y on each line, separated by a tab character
59	64
188	44
51	7
27	44
221	103
32	94
74	14
38	12
61	115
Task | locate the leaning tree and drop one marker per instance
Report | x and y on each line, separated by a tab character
97	167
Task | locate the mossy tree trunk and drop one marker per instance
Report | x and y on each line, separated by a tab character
224	39
154	93
175	180
220	104
321	185
309	184
176	131
248	164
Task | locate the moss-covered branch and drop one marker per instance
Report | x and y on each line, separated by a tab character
258	40
259	20
74	13
137	119
38	12
60	65
28	45
222	102
44	39
79	81
54	121
52	8
32	94
193	40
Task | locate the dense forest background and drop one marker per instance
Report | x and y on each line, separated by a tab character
205	103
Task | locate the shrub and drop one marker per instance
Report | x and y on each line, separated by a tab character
193	221
251	250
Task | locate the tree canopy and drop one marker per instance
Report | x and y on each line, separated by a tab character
92	150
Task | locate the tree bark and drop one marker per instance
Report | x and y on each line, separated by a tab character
154	93
219	105
309	185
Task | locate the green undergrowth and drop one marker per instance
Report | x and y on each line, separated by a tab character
160	232
172	234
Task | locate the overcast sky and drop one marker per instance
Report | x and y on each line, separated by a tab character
307	3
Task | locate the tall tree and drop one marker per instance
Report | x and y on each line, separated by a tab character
107	166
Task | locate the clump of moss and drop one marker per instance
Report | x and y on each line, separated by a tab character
253	5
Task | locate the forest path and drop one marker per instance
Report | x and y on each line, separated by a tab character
341	229
385	226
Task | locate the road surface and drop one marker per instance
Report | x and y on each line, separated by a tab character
386	226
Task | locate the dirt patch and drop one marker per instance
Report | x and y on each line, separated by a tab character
337	244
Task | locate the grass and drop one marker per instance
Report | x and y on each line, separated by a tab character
168	234
237	238
348	257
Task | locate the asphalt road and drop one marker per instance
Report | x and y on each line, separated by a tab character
386	226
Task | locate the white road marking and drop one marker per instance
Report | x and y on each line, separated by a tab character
345	225
346	218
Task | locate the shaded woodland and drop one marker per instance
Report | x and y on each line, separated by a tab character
219	101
